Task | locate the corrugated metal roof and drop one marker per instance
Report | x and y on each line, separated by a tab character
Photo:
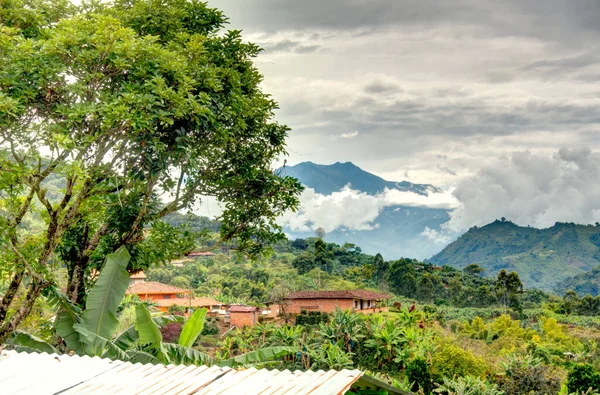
22	373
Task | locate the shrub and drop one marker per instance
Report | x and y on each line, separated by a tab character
419	374
171	331
582	378
450	360
531	380
468	386
311	318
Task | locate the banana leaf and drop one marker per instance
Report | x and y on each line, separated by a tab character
192	328
23	341
126	339
261	355
100	315
148	331
180	355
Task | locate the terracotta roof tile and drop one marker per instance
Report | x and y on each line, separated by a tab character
242	309
153	287
185	302
348	294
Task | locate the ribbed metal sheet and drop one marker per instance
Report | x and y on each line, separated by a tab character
22	373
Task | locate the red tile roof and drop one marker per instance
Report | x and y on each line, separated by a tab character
153	287
242	309
354	294
185	302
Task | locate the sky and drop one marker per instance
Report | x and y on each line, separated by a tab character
496	101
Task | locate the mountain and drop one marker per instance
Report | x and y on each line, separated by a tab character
544	258
396	232
583	284
326	179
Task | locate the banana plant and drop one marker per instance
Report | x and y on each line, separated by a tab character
93	331
181	353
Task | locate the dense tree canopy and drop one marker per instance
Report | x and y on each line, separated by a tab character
113	115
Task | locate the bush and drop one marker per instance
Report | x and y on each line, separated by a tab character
419	374
450	360
210	328
468	386
171	332
311	318
531	380
582	378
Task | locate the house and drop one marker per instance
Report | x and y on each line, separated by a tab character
24	373
152	290
360	301
138	277
215	308
240	316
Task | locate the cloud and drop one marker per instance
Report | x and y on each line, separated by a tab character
353	209
438	237
350	135
532	189
289	46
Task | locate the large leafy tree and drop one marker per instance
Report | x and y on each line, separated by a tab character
115	114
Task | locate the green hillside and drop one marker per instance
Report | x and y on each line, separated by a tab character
542	257
583	284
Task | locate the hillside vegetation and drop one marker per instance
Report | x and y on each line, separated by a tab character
544	258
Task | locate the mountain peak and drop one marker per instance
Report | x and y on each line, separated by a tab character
326	179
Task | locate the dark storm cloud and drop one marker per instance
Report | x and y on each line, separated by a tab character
289	46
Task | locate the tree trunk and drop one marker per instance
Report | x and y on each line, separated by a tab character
10	293
76	283
76	270
8	327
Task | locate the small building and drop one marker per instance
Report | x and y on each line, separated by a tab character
138	277
240	316
360	301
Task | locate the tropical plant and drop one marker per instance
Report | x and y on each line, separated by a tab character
92	333
468	386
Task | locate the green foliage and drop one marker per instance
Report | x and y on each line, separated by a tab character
311	318
583	377
544	258
418	372
449	360
468	386
132	100
192	328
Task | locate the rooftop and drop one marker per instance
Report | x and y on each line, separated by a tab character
348	294
84	375
153	287
236	308
196	302
139	274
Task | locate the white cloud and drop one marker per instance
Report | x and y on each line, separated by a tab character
438	237
532	189
350	135
353	209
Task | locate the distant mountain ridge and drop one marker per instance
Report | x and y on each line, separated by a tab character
326	179
396	232
544	258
